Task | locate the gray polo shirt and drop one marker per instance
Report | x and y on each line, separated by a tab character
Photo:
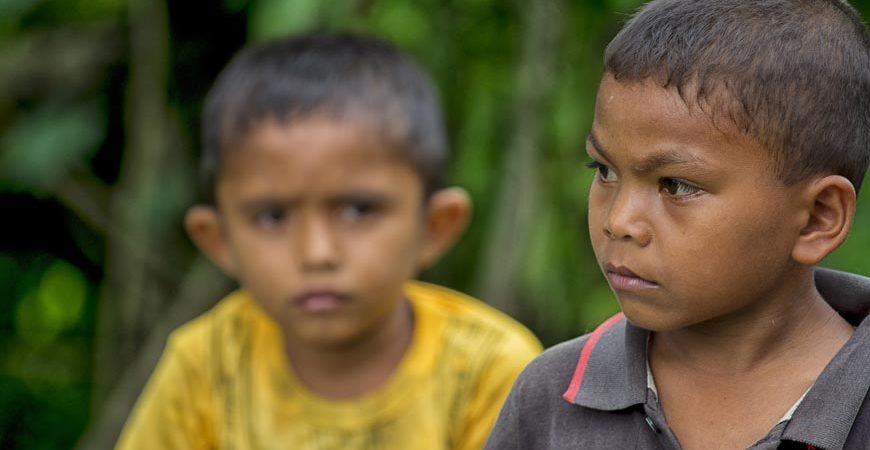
593	392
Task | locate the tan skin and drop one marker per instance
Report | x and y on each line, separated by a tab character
322	223
705	247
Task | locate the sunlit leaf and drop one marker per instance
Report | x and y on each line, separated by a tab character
54	306
273	18
403	22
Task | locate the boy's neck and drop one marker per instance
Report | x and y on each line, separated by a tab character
742	373
353	370
780	329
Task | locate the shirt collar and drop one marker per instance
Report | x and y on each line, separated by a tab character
611	373
847	293
827	413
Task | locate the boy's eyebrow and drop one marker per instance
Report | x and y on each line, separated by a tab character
655	161
361	196
258	204
597	146
667	158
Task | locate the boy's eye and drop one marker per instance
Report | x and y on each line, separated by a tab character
352	211
602	172
270	217
677	188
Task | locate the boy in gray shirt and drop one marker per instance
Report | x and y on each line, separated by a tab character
730	139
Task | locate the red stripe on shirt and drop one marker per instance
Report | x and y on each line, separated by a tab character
580	370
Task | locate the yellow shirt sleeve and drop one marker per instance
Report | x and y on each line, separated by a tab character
495	383
172	412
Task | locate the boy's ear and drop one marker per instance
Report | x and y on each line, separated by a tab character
830	211
447	215
204	227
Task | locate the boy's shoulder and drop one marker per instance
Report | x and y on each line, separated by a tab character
221	331
463	312
848	293
464	328
231	309
579	393
547	377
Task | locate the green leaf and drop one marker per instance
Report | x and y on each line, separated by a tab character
402	22
43	145
269	19
14	9
54	306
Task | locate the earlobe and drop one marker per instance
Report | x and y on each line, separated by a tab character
205	230
447	215
831	209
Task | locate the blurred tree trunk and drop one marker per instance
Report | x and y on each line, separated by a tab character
516	206
147	292
132	297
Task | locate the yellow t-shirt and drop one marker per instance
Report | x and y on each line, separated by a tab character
223	383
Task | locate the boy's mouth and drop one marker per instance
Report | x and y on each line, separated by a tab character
319	302
624	279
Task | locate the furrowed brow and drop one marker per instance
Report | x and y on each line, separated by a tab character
361	197
258	204
653	162
667	159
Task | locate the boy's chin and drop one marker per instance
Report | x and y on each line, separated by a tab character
651	320
327	341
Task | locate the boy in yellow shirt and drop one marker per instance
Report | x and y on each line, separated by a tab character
324	156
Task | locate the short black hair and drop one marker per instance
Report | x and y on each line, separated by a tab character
339	76
792	74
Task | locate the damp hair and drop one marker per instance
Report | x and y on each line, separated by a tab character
343	77
792	74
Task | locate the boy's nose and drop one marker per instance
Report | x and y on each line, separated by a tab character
624	221
316	246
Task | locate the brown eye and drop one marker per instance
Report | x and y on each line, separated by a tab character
677	188
357	210
604	173
270	217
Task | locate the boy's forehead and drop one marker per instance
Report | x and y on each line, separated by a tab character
659	124
667	101
309	151
314	136
643	107
682	112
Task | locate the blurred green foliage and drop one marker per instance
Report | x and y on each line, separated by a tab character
54	305
47	143
66	123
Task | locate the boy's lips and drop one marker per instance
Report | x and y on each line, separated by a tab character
624	279
320	301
